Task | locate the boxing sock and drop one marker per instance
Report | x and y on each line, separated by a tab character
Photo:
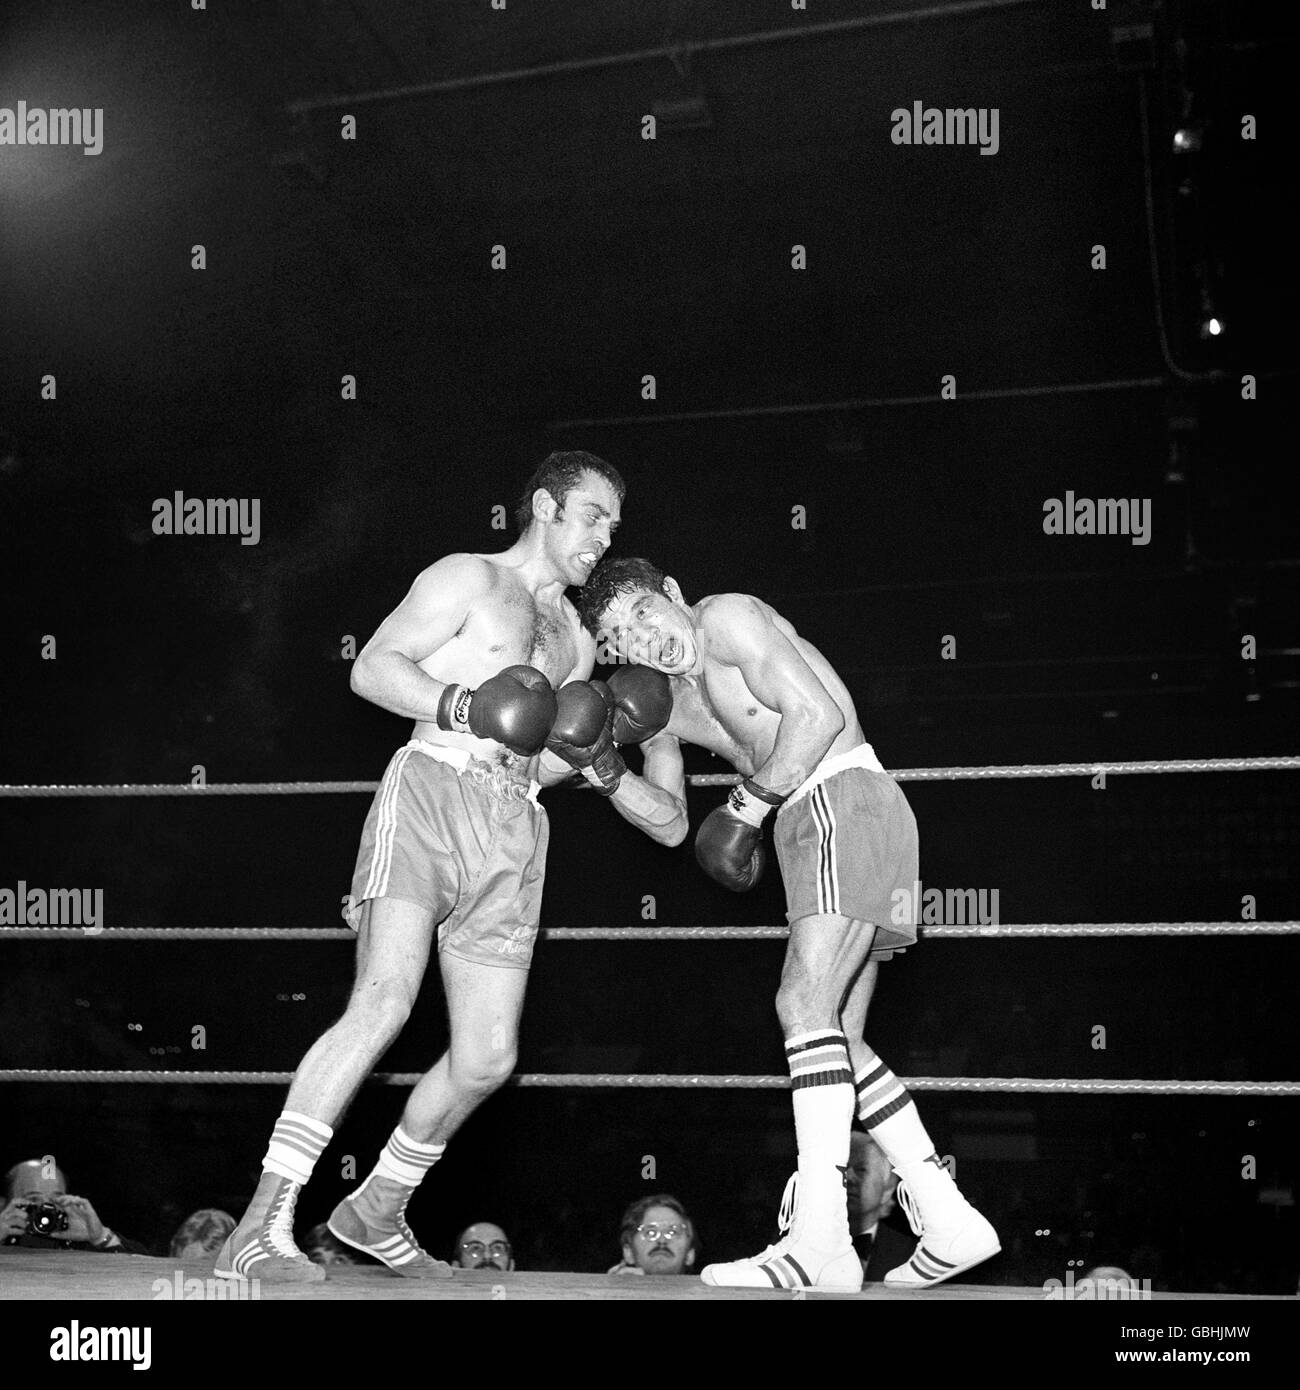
889	1114
405	1160
821	1082
297	1141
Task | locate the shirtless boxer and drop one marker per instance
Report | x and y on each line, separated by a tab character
747	687
455	843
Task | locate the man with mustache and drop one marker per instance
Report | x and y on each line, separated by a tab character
483	1246
657	1237
746	686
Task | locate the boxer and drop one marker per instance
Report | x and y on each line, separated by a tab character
744	684
452	856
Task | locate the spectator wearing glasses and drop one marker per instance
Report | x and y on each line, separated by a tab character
483	1246
658	1238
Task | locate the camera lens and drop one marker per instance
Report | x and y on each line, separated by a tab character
45	1218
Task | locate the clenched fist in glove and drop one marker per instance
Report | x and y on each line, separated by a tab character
515	707
644	698
729	842
583	734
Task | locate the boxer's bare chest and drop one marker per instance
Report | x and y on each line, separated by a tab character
516	628
721	714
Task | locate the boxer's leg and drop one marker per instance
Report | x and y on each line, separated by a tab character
825	953
953	1235
484	1004
392	951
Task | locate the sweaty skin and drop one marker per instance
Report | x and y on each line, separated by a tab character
745	686
467	617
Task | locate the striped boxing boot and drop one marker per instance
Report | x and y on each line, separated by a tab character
262	1246
794	1263
817	1252
373	1218
952	1236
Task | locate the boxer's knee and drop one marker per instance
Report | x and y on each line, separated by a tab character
381	1007
803	1004
482	1070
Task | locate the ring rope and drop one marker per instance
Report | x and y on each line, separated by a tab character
674	1081
707	779
952	932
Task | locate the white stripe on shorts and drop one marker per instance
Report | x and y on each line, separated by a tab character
828	883
381	857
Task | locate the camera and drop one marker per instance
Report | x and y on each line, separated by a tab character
45	1218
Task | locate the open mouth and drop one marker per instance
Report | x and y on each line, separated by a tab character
588	559
671	651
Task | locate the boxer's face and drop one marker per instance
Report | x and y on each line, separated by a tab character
647	628
576	534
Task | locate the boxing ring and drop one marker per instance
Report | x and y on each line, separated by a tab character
40	1276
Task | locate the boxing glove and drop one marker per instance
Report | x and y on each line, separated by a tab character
644	698
582	734
729	842
515	707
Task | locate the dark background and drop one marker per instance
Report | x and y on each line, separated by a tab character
816	389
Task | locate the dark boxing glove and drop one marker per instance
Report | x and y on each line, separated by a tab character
515	707
582	734
729	842
644	698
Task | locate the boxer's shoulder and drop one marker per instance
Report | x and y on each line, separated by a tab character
732	623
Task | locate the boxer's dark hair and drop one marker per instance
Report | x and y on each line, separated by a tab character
611	578
560	471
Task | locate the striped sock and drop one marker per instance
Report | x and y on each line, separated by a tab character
822	1083
889	1114
297	1141
405	1160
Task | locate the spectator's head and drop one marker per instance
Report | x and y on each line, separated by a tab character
202	1234
658	1237
872	1183
483	1246
322	1247
35	1178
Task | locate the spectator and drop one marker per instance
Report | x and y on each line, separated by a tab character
323	1247
483	1246
40	1214
201	1235
872	1184
658	1238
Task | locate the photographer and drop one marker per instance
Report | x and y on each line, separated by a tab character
40	1214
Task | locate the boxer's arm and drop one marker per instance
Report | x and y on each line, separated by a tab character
386	673
740	633
550	769
656	801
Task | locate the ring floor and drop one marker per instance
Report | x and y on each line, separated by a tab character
40	1275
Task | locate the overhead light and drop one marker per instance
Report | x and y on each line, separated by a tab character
1189	138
